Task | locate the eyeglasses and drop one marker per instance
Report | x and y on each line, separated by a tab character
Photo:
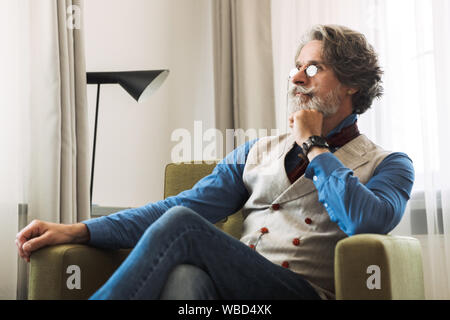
310	71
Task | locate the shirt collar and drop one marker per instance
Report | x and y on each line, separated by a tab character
351	119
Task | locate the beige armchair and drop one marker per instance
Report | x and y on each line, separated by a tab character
397	260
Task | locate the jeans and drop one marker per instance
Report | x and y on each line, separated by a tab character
183	256
188	282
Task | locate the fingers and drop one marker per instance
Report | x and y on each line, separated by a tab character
306	112
291	121
307	119
20	250
32	230
39	234
35	244
22	253
27	233
32	245
30	239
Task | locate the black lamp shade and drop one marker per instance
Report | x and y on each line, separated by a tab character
139	84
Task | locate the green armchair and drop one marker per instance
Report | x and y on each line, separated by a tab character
367	266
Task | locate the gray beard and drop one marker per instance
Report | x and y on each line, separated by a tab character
329	105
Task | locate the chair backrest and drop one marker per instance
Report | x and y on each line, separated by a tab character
183	176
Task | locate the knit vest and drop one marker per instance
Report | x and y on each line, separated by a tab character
285	222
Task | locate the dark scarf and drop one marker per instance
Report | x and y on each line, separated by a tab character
335	141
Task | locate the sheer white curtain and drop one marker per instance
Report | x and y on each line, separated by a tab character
13	144
412	117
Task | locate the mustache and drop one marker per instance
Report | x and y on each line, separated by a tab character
298	89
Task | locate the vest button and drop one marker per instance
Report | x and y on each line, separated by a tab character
296	242
264	230
276	206
308	221
285	264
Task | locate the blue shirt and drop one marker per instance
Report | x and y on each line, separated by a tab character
375	207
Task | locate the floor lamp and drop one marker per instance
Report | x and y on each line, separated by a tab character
139	84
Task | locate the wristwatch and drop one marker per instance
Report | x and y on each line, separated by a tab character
314	141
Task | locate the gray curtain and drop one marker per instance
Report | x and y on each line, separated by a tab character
243	64
57	118
59	174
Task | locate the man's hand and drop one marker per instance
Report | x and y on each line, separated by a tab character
304	124
39	234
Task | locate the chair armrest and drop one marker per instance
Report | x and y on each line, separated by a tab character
400	272
50	272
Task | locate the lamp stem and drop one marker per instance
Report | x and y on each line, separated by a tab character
95	143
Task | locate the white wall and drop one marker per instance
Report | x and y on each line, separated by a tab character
11	157
133	141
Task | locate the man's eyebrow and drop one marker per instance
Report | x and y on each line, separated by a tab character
299	65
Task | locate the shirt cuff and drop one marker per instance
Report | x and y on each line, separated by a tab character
97	235
322	167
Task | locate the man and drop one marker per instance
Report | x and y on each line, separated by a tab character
299	199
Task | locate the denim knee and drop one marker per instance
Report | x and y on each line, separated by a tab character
171	224
180	212
179	216
188	282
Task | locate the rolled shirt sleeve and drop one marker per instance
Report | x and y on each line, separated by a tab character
377	206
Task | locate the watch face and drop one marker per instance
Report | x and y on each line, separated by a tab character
315	141
319	141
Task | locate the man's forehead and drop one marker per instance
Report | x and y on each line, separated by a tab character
310	53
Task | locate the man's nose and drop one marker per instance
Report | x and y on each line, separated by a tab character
300	77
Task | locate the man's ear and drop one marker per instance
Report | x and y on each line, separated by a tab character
352	91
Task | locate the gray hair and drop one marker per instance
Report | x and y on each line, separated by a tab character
353	60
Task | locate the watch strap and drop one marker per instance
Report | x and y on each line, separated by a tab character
314	141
